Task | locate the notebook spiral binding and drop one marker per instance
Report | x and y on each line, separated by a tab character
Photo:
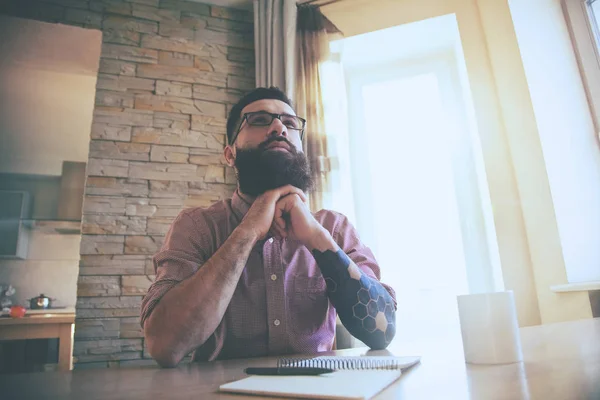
339	363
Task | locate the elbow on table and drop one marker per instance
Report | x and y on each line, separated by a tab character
167	362
163	355
159	347
377	343
379	340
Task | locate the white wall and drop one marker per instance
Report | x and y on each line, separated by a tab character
45	119
564	122
47	90
51	268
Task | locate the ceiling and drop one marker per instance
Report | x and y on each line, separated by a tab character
247	4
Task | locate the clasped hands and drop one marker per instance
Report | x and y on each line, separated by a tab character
283	212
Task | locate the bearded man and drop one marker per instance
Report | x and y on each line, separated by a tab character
259	274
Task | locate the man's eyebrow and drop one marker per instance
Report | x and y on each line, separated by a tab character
269	112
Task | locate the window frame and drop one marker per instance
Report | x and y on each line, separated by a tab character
586	43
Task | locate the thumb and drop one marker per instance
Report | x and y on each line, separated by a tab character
282	207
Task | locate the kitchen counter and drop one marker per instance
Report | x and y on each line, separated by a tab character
44	324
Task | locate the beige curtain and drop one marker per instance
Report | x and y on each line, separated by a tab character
313	51
275	44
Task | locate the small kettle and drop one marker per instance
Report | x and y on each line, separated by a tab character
40	302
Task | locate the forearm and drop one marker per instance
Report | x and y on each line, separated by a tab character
365	307
190	312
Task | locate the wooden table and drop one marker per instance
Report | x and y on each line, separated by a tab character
43	326
561	361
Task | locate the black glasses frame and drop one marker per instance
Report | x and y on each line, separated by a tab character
273	115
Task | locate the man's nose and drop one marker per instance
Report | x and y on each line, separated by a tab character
277	128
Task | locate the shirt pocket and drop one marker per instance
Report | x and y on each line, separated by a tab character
309	303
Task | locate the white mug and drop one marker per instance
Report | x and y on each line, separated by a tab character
489	328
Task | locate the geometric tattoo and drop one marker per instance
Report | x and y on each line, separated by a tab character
365	307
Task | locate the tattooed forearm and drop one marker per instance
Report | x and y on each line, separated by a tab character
365	307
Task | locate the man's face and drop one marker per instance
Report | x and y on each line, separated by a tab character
252	136
268	157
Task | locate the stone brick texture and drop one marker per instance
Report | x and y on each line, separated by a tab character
169	71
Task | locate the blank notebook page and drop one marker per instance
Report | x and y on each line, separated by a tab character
352	384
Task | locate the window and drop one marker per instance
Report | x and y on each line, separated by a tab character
403	141
594	15
583	20
414	145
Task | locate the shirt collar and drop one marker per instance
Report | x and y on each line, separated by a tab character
239	205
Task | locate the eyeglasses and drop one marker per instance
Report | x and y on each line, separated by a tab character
264	118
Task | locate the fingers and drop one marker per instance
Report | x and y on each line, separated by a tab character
273	233
283	200
278	231
280	222
289	189
278	219
282	209
302	196
285	205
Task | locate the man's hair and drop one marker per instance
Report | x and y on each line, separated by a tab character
260	93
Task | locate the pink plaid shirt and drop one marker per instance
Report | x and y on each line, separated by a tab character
280	305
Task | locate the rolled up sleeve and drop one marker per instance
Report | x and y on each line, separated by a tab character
181	255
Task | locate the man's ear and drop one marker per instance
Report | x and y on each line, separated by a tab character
229	154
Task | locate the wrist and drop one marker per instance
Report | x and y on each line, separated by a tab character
247	233
321	240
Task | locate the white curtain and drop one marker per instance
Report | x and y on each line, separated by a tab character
275	44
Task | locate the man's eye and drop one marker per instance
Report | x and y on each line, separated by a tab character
260	120
291	123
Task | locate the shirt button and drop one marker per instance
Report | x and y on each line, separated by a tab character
273	277
271	240
276	322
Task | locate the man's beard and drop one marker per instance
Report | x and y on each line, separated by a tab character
260	169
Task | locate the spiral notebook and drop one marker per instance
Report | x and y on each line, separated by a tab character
358	378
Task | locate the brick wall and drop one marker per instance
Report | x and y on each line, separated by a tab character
169	72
